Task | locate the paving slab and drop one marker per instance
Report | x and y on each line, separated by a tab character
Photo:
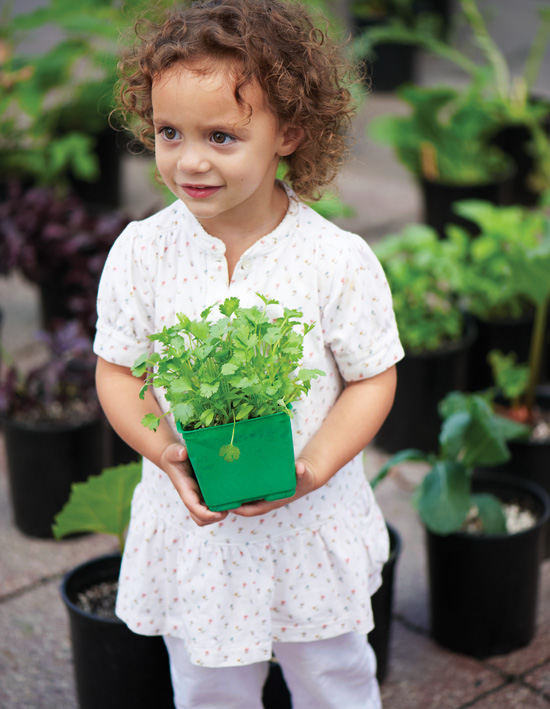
539	679
512	696
35	651
423	675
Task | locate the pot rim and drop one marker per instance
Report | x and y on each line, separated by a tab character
463	343
511	481
68	576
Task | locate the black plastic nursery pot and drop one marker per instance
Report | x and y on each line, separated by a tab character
44	460
484	589
113	666
391	64
516	141
510	335
382	607
423	380
438	199
256	474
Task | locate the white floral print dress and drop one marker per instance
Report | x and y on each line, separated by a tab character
305	571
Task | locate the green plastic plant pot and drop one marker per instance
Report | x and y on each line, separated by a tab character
264	470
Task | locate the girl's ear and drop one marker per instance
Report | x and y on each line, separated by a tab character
291	137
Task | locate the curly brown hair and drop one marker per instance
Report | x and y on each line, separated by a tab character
274	42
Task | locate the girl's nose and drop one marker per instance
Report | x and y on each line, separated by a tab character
191	158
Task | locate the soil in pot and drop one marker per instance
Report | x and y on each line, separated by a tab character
484	589
423	380
113	666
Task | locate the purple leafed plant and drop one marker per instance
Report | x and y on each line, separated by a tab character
61	389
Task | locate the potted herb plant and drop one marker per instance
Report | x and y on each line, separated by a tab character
503	278
425	273
52	427
515	120
230	385
444	142
113	666
64	96
484	534
519	394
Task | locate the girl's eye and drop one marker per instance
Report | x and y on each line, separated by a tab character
169	133
221	138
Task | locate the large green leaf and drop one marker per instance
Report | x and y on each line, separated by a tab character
101	504
491	513
443	497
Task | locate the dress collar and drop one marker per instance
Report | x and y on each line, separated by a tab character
212	244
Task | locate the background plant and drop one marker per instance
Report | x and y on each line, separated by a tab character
53	239
60	389
100	505
471	435
241	366
424	273
445	138
501	262
54	104
505	98
531	279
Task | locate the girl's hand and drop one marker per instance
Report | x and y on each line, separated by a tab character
305	483
175	462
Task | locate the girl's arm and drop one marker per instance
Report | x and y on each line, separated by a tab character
118	392
352	423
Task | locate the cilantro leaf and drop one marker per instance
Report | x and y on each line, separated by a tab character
230	453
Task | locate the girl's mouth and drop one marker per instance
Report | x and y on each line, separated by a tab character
199	191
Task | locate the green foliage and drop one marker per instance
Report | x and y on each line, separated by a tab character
510	378
329	205
240	366
425	274
528	272
403	10
54	104
445	138
471	435
503	268
496	96
101	504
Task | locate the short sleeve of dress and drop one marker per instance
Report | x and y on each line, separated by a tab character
125	303
358	320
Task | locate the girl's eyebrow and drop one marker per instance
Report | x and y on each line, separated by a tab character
222	126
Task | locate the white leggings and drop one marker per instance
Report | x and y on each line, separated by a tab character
336	673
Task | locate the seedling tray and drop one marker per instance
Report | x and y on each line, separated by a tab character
264	470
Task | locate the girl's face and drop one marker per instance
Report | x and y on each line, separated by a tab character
219	160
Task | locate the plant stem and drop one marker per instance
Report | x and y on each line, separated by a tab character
484	40
537	51
535	352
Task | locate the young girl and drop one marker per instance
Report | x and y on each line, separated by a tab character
225	90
